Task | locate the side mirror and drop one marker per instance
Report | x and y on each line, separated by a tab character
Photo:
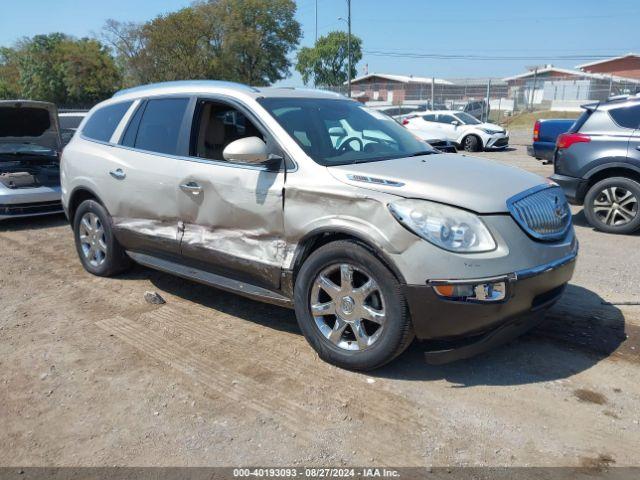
250	150
455	123
337	132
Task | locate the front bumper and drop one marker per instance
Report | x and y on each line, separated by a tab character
29	202
574	188
458	330
497	141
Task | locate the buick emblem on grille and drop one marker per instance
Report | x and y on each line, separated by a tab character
559	209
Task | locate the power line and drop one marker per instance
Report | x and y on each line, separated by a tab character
451	56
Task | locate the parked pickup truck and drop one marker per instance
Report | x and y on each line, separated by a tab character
545	133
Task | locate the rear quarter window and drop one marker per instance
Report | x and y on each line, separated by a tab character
626	117
104	121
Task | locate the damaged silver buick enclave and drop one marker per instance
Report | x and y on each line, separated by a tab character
310	200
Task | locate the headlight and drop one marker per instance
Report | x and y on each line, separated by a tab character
447	227
490	132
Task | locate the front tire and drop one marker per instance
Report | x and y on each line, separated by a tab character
471	143
97	247
350	307
611	205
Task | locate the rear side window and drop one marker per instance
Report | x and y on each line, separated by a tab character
160	125
429	118
103	122
626	117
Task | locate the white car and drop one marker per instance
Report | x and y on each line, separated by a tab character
467	132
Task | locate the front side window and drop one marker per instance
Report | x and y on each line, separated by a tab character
626	117
217	125
365	136
104	121
160	125
448	119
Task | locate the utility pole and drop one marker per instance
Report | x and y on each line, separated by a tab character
433	96
533	92
316	21
349	47
485	113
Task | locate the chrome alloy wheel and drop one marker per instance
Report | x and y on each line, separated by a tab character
348	307
92	239
615	206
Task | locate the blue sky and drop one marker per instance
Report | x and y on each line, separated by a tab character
541	28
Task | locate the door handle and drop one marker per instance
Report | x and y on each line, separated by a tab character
191	187
118	174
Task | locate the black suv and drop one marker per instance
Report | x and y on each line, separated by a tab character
597	163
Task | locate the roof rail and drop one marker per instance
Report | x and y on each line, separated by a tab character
185	83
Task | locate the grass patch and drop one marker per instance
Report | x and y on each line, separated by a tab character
527	119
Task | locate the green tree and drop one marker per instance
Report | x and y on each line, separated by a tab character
89	72
326	63
256	38
9	74
40	69
63	70
127	41
239	40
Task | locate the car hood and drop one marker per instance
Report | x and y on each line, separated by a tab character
490	126
476	184
26	121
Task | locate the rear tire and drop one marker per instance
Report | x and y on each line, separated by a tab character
612	205
350	307
471	143
97	247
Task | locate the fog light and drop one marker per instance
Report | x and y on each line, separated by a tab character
473	292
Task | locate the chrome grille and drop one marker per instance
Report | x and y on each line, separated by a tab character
542	212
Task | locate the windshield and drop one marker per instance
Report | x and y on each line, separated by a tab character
467	119
340	132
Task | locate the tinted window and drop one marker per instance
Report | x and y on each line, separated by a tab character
218	125
159	128
446	119
103	122
370	135
626	117
429	118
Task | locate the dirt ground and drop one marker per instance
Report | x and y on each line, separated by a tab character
92	375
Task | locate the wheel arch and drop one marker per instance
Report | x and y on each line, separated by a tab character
615	169
77	196
315	239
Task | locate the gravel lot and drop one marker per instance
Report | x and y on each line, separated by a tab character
93	375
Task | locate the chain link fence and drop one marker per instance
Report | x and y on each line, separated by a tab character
490	98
